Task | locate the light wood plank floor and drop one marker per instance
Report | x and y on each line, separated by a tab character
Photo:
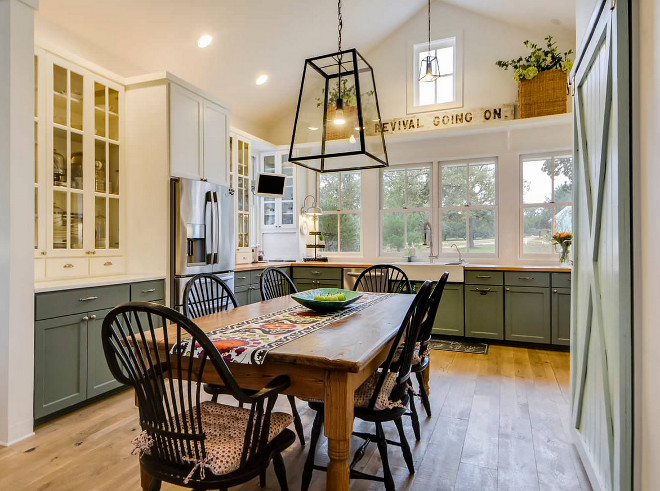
500	421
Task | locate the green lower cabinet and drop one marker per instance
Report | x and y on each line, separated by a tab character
254	294
99	378
307	284
450	319
60	371
527	314
242	295
484	312
561	316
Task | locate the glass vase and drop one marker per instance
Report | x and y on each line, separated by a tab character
565	257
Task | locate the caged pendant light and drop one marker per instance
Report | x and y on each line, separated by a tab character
429	68
338	125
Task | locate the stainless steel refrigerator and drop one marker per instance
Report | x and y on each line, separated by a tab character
202	233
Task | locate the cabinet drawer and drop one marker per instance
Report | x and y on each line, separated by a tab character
241	278
104	266
484	277
561	280
525	278
255	276
147	291
39	269
313	273
67	302
66	267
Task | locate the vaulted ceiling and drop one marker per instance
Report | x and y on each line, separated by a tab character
250	37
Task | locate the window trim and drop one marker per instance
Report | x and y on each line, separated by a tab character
522	205
343	212
413	68
467	208
405	209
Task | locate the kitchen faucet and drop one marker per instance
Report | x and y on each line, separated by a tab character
428	240
460	257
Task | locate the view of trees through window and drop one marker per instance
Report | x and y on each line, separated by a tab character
468	206
547	201
340	198
406	207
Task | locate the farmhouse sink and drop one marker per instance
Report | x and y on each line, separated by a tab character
421	271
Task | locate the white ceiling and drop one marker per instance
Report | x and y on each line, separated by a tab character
133	37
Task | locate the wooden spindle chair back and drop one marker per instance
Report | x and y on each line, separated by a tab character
206	294
409	332
434	302
276	283
383	278
164	381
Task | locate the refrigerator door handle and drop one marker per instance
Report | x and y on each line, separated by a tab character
216	228
209	225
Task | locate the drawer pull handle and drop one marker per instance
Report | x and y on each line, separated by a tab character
68	265
107	263
526	278
150	290
241	277
88	299
485	276
482	289
316	272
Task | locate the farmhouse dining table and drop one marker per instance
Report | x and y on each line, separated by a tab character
327	364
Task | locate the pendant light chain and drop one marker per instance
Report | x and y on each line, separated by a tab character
340	24
429	26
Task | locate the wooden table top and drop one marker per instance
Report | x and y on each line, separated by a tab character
347	344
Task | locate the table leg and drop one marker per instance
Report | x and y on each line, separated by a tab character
338	429
145	479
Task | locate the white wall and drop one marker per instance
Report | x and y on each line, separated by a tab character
647	334
507	143
16	219
484	41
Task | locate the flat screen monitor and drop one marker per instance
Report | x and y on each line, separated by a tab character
270	185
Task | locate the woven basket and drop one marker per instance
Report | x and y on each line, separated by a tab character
344	131
543	95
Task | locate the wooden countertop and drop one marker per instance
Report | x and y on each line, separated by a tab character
468	267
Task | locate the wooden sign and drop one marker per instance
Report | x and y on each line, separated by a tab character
447	119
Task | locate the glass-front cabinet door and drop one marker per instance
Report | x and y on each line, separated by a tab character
81	181
279	213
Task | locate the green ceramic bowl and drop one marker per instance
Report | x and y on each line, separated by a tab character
307	299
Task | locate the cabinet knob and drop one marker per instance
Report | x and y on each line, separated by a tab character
85	318
508	289
92	317
554	291
43	253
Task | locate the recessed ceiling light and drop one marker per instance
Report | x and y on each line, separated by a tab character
262	79
204	41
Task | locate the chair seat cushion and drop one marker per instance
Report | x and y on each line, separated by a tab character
417	356
225	428
365	391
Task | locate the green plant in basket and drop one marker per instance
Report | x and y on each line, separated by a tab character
540	59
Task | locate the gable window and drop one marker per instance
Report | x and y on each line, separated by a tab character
340	198
405	208
468	206
546	201
446	91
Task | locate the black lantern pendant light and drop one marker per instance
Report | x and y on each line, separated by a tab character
338	126
429	69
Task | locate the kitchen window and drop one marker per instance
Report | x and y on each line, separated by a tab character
468	207
340	198
446	91
546	201
405	208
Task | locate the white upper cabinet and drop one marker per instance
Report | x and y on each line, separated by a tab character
199	137
279	213
216	143
186	111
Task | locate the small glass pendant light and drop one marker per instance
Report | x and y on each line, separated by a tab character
429	69
338	125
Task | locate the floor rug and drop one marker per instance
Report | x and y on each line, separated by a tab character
463	346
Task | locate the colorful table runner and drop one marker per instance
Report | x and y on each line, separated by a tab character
250	341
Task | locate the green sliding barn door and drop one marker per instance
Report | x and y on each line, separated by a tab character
601	341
